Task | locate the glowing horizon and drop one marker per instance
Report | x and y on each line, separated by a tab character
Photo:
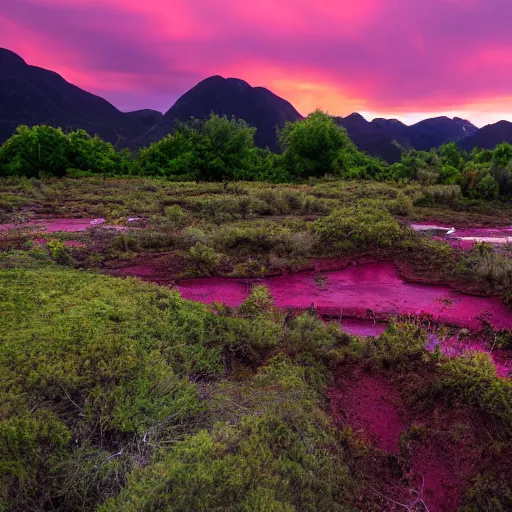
381	58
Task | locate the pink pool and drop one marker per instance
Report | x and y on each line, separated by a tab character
466	238
357	291
65	225
456	347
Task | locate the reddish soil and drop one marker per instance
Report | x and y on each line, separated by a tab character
445	469
439	462
161	269
369	405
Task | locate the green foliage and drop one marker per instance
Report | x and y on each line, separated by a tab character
43	150
31	446
175	214
399	347
259	304
218	149
352	228
204	257
487	267
280	456
489	493
59	252
34	151
317	146
473	380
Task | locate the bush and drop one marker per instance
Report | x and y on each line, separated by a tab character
204	258
353	228
280	455
472	379
399	347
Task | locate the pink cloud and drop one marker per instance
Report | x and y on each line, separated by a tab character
378	56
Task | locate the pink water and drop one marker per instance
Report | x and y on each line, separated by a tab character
362	328
56	225
355	291
455	347
466	238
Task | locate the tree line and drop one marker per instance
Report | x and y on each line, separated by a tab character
223	149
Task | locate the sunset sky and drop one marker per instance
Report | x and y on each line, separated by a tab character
388	58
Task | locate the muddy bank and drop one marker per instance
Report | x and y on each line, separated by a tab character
373	290
433	454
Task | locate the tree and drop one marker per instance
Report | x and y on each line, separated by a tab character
92	154
218	149
315	146
35	151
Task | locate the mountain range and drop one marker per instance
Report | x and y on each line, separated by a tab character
31	95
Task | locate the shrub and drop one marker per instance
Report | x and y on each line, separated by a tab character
354	228
472	379
205	258
176	215
280	455
259	304
400	346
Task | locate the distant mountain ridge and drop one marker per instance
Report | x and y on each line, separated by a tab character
32	95
384	137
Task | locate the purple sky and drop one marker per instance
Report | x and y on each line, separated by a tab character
395	58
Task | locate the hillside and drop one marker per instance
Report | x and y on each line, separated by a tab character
489	136
32	95
231	97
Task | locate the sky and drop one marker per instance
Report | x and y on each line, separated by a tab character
408	59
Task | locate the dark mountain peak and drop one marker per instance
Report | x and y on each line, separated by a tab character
392	122
356	116
231	97
10	59
32	95
489	136
237	82
146	112
499	124
369	137
463	121
435	121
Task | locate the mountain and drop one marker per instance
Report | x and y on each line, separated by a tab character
380	136
434	132
32	95
396	129
231	97
370	137
489	136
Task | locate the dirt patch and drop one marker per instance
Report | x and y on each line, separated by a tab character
161	269
421	454
370	406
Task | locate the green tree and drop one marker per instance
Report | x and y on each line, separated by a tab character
93	154
35	151
315	146
218	149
